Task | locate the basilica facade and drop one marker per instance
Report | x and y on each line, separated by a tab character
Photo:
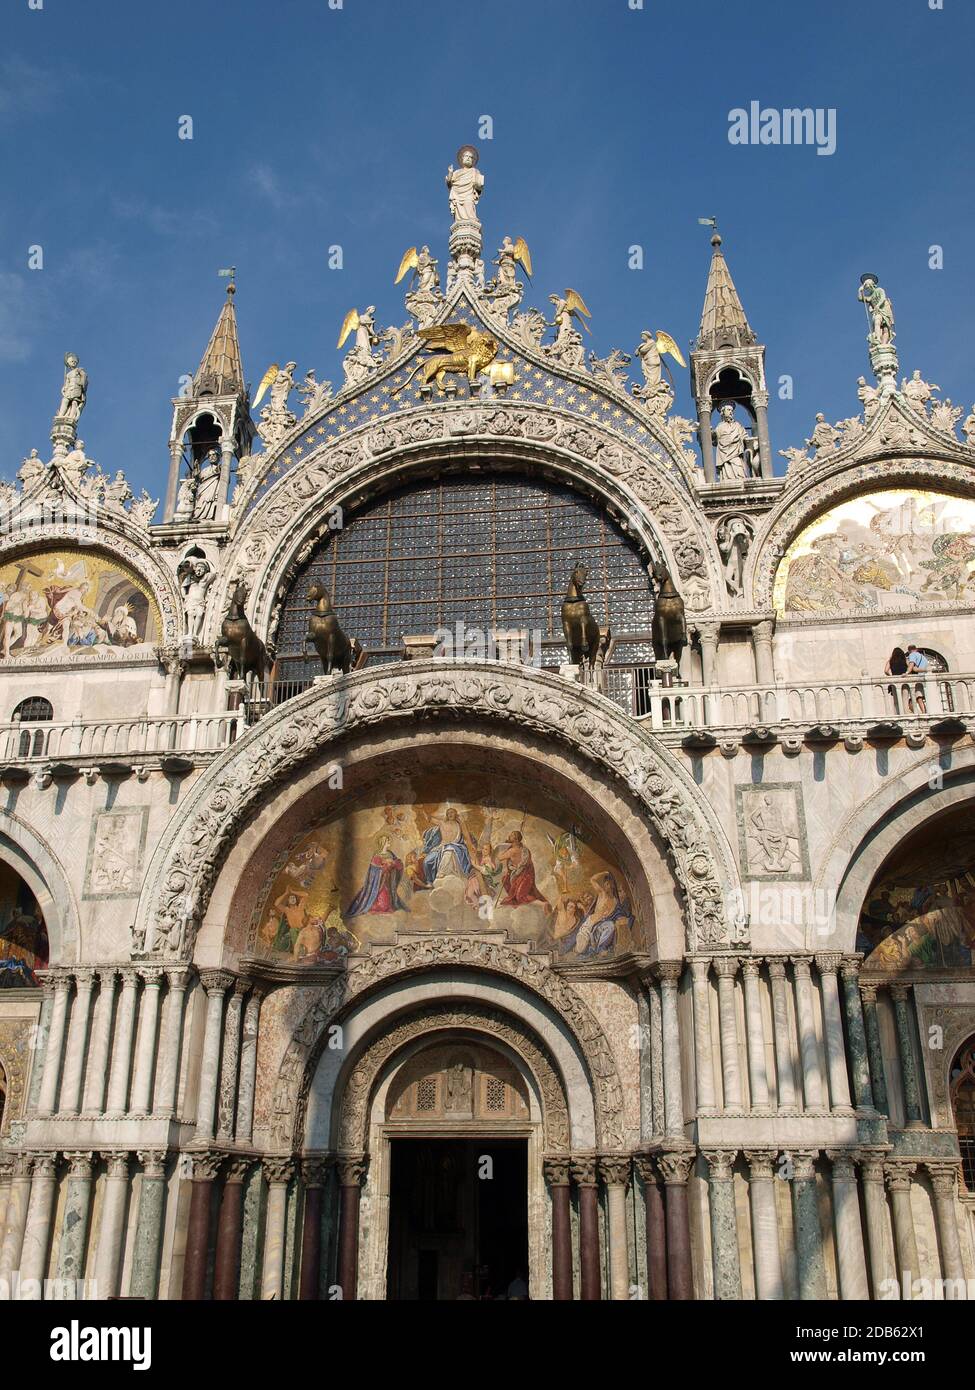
485	833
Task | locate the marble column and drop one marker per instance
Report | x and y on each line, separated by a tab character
149	1224
16	1216
614	1169
215	983
706	436
37	1230
230	1230
809	1234
762	643
724	1226
557	1177
146	1059
314	1172
351	1172
206	1166
785	1078
178	980
812	1080
6	1173
856	1035
108	1257
851	1261
40	1049
675	1169
584	1176
74	1222
669	973
703	1067
101	1039
248	1066
751	969
118	1083
900	993
656	1223
709	635
875	1051
656	1056
875	1206
944	1182
726	968
827	964
48	1099
74	1061
766	1252
900	1178
227	1100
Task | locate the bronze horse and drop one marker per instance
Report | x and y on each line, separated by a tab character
579	626
669	629
246	652
330	642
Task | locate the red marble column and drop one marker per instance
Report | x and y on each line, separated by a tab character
557	1177
230	1230
206	1166
656	1230
351	1171
313	1172
584	1173
676	1169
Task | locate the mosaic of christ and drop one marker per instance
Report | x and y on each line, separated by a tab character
920	911
891	551
437	858
72	601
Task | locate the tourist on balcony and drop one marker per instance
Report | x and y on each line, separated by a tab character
897	666
918	665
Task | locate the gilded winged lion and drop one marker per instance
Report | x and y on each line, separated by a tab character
460	348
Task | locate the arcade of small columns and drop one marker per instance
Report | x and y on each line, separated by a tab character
113	1043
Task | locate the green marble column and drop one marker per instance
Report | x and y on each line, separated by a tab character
74	1223
875	1053
148	1233
856	1036
724	1227
905	1047
809	1234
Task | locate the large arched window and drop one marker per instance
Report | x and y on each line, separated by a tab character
962	1087
35	710
491	553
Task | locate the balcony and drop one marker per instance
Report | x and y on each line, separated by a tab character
176	744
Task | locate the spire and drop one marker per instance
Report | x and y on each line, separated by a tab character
723	321
221	372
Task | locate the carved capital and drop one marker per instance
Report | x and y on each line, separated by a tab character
584	1170
776	968
557	1170
800	967
79	1163
647	1169
871	1160
117	1163
151	976
216	981
900	992
944	1179
314	1171
844	1164
614	1169
179	978
236	1169
675	1168
153	1162
828	962
726	967
84	979
804	1164
44	1165
850	968
668	972
868	993
751	967
761	1164
700	968
899	1175
351	1169
721	1163
207	1165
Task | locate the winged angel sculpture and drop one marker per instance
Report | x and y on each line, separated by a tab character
459	348
505	290
424	297
568	310
360	360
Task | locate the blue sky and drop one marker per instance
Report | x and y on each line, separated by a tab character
315	126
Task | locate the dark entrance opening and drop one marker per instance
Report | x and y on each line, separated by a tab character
458	1218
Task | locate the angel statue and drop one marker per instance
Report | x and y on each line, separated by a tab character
880	311
360	360
656	394
459	348
465	185
276	418
506	289
424	297
567	347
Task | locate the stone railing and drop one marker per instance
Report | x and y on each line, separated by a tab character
118	740
808	704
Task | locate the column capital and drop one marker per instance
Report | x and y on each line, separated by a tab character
828	962
241	987
721	1163
20	1164
751	967
153	1162
237	1168
44	1164
871	1159
900	991
85	977
615	1169
351	1168
800	966
647	1169
804	1163
899	1175
206	1164
584	1172
179	976
944	1178
129	975
762	631
850	967
216	981
79	1163
107	975
557	1170
868	991
776	967
675	1168
844	1164
668	972
726	967
314	1170
701	968
117	1162
151	976
59	981
761	1164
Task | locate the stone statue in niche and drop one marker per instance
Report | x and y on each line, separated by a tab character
734	536
459	1087
730	437
195	577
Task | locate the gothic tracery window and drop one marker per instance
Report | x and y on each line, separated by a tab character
962	1090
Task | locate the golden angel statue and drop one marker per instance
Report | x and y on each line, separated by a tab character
360	360
656	393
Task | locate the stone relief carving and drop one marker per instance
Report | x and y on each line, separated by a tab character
610	370
115	853
772	832
16	1040
917	392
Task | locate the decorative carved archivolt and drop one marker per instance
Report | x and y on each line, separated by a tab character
180	880
353	1129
